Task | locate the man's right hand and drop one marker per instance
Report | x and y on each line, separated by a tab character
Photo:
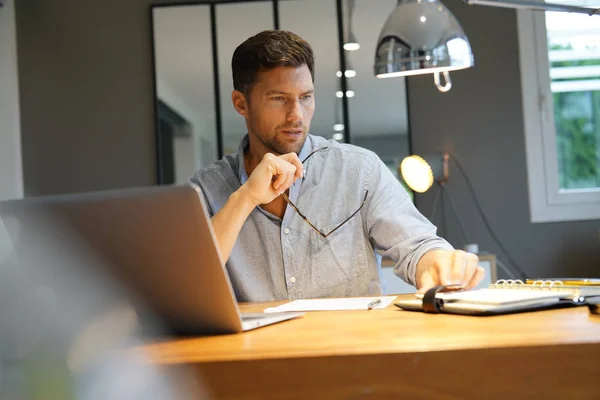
271	177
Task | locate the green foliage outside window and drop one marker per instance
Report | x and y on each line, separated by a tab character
577	120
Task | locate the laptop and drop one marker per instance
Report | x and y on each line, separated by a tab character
159	243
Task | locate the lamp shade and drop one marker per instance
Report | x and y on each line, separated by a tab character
420	37
420	172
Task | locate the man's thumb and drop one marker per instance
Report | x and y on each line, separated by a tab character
425	282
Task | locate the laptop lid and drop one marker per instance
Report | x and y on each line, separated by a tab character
157	241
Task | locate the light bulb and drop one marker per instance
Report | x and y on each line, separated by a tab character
350	73
417	173
350	46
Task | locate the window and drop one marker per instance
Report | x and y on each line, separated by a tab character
560	77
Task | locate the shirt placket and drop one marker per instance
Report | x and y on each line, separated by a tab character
291	269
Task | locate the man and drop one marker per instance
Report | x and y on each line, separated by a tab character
344	204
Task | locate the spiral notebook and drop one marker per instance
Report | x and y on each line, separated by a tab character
503	297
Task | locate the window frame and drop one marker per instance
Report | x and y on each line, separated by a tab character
547	202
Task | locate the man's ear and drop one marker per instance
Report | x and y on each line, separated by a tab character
240	103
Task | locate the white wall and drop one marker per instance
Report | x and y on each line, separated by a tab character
11	176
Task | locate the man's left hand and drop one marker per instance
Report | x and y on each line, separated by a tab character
448	267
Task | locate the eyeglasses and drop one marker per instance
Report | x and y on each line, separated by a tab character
323	234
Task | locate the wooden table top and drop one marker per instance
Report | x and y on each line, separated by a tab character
391	330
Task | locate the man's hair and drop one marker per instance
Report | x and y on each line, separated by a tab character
267	50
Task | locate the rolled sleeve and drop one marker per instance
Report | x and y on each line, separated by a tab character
396	228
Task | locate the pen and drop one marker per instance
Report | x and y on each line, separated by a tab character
373	304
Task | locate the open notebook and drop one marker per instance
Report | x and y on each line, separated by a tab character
502	297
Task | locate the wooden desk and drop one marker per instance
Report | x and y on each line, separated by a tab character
394	354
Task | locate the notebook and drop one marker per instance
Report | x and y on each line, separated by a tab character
502	297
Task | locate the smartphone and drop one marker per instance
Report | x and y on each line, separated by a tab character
593	304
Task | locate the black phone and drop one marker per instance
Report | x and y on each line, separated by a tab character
593	304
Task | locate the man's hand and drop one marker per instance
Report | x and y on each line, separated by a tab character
271	177
448	267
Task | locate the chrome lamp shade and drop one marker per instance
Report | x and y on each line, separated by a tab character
421	37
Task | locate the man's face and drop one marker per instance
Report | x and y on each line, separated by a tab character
280	107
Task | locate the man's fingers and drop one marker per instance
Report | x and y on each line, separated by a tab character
428	280
459	267
448	267
279	181
289	178
293	159
477	277
279	176
471	268
281	171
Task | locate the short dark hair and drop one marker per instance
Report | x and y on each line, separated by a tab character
267	50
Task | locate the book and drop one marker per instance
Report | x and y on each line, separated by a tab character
502	297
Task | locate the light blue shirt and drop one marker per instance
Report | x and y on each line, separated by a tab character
277	259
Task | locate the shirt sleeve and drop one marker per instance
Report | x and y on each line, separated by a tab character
396	228
196	183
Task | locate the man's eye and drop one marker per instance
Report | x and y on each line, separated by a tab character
277	98
306	97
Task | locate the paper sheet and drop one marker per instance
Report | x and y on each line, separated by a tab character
348	303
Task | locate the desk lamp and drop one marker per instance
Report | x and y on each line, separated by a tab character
421	172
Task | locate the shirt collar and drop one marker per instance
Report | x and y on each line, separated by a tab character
306	149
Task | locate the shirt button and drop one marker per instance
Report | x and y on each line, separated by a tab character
286	230
293	279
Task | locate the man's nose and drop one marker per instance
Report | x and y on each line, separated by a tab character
295	112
